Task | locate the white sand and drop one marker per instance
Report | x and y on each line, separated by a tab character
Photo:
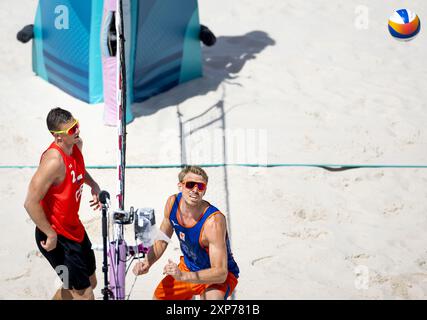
311	88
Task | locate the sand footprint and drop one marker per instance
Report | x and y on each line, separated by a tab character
22	275
356	258
311	216
393	210
422	262
34	253
306	233
261	259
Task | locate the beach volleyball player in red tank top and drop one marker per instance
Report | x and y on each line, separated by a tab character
53	202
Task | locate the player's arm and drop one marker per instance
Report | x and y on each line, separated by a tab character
159	246
91	182
215	233
80	144
88	178
95	189
48	172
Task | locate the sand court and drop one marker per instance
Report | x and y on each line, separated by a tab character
288	82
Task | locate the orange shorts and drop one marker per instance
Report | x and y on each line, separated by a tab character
171	289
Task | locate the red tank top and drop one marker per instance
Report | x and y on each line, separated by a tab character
62	202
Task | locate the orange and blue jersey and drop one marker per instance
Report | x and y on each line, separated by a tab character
196	257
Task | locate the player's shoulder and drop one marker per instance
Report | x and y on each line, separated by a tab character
51	164
52	158
169	204
217	219
171	200
215	226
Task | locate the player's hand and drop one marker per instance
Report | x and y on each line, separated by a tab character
141	268
94	203
172	269
50	243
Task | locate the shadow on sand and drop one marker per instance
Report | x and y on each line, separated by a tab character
221	62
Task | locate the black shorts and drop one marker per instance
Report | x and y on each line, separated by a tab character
73	262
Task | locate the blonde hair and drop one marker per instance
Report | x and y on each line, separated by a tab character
193	169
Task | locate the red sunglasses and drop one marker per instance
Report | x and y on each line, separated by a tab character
191	184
